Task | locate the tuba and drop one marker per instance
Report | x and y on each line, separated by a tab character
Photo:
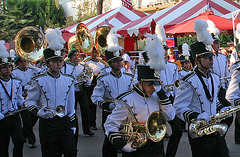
154	129
72	43
84	38
100	39
30	43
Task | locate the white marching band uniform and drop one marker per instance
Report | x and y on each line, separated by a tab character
110	86
140	105
183	72
13	98
220	67
169	76
192	100
233	92
47	90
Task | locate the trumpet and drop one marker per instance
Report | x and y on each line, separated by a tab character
175	84
58	111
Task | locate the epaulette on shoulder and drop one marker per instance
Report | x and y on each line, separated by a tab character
16	78
238	68
215	73
185	78
68	75
70	63
125	94
101	76
39	75
128	74
236	62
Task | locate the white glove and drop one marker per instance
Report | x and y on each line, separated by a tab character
204	116
1	116
224	108
74	130
128	148
45	113
111	106
157	87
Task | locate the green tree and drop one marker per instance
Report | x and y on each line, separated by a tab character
86	10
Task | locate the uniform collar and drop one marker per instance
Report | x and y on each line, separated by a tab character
185	69
139	91
115	75
6	80
22	69
52	75
201	73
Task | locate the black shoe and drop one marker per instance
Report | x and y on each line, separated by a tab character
94	128
89	133
32	145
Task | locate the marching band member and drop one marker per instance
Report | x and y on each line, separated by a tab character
51	98
109	86
76	68
25	73
197	96
11	98
137	105
185	62
96	63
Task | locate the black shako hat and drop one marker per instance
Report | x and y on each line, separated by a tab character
199	49
112	55
50	54
146	74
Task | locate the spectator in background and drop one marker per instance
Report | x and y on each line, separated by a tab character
126	64
179	52
64	52
172	57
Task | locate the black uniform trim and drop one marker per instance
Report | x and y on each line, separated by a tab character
238	68
33	109
72	118
237	102
125	94
219	106
116	139
104	104
39	75
17	79
189	115
68	75
101	76
128	74
185	78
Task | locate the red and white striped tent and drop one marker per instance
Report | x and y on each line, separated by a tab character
179	13
115	18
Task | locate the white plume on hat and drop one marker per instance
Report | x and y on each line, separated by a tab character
212	28
238	32
155	53
203	35
58	31
12	54
160	31
112	41
185	49
53	39
3	50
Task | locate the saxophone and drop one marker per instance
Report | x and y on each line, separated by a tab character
86	74
198	128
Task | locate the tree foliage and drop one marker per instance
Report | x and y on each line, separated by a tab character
22	13
86	10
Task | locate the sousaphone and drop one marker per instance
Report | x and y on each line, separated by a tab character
100	39
30	42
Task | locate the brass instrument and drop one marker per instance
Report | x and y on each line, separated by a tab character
154	129
225	78
30	43
84	38
72	43
175	84
14	112
100	39
198	128
85	75
58	111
